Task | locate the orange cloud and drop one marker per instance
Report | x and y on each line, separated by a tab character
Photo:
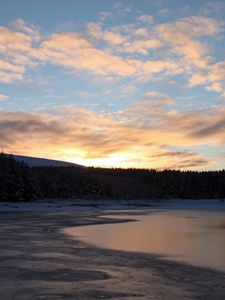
15	47
75	52
70	50
214	77
141	46
133	137
183	36
181	50
215	86
113	38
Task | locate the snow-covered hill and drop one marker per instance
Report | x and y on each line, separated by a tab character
43	162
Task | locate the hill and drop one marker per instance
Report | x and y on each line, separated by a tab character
43	162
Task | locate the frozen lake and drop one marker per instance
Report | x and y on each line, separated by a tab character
192	236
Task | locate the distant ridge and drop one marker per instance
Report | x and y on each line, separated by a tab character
43	162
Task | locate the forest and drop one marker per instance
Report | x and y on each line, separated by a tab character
19	182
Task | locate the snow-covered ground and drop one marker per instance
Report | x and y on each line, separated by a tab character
84	204
211	204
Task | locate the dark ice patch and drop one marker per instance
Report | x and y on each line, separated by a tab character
67	275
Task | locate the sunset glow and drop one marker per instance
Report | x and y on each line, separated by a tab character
120	84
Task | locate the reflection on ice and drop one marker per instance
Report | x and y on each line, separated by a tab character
196	237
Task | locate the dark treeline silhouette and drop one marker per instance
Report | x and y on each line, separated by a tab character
16	180
19	182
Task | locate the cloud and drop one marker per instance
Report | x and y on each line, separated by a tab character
113	38
113	52
194	162
182	36
198	26
163	12
158	98
146	19
104	15
212	127
213	8
174	128
215	86
141	31
183	159
141	46
217	71
3	97
157	66
203	127
74	52
141	130
213	77
6	77
96	138
73	129
15	48
155	94
198	79
31	30
120	10
94	30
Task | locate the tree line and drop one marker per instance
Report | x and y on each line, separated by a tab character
19	182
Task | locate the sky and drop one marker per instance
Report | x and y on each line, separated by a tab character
118	84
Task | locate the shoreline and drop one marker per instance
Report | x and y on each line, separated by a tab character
45	264
87	204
